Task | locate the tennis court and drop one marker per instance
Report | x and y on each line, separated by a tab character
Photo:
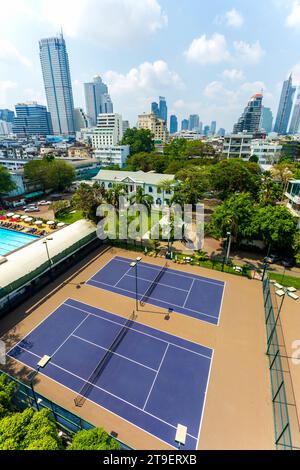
149	378
185	293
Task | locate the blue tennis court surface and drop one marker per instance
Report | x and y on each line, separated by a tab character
185	293
153	380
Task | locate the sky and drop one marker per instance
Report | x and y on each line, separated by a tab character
206	57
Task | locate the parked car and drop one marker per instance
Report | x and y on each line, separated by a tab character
32	209
272	259
44	203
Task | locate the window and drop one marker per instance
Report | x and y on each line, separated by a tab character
150	189
109	185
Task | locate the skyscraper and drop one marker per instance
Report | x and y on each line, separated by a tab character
194	122
7	115
285	106
32	120
206	130
251	117
155	109
97	99
81	120
213	128
173	124
266	122
221	132
185	125
163	109
295	122
57	82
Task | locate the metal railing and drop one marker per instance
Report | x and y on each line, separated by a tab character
283	435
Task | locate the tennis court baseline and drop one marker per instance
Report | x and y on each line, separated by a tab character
152	379
195	296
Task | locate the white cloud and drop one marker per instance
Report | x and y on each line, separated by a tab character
9	53
204	50
146	78
293	19
5	86
234	19
249	52
233	74
296	74
108	22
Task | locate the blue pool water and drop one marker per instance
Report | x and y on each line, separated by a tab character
11	240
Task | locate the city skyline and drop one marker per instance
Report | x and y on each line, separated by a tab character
212	68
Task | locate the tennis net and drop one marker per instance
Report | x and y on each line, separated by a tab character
152	286
83	394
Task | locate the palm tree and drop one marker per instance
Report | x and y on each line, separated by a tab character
114	193
141	198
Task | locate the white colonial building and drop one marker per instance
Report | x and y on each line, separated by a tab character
293	196
150	183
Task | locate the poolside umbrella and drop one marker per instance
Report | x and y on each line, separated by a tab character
23	217
50	222
38	222
10	214
17	216
61	224
2	217
29	220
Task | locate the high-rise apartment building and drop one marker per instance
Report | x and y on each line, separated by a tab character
185	125
206	130
221	132
163	109
58	85
266	122
194	122
213	128
5	128
32	119
7	115
126	125
295	122
173	124
251	117
285	106
97	99
157	126
155	109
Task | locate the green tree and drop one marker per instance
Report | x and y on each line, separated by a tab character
235	215
194	183
270	192
7	390
6	182
141	198
235	176
49	174
87	199
29	430
114	193
146	162
94	439
140	140
254	159
60	175
275	225
59	206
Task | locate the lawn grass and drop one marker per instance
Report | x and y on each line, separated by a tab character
286	281
69	218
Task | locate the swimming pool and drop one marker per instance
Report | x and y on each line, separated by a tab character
11	240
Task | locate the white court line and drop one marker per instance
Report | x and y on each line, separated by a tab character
188	294
170	304
69	336
123	276
205	397
221	305
114	353
97	404
143	333
172	271
159	284
35	327
156	375
105	391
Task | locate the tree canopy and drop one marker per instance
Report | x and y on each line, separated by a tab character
6	182
140	140
29	430
94	439
50	174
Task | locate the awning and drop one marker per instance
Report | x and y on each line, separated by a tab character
29	196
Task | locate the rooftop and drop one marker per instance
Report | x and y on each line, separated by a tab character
136	176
